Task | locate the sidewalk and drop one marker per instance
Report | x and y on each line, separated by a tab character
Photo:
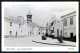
49	41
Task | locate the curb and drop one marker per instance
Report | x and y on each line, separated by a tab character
52	44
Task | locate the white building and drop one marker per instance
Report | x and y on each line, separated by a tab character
17	26
12	27
69	24
58	27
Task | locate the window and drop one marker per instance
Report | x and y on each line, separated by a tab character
65	22
71	21
10	23
51	23
53	29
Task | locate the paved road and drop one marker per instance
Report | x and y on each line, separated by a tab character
25	42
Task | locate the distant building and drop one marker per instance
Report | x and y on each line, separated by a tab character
42	30
48	27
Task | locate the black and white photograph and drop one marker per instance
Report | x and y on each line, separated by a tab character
40	26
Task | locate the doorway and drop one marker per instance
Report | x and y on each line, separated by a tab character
71	35
39	33
57	33
16	33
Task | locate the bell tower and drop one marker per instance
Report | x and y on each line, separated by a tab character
29	16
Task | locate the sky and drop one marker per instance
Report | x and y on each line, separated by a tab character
42	12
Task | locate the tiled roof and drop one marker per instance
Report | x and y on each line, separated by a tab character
12	20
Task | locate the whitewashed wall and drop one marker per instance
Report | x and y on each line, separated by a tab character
13	28
70	28
59	26
24	29
36	31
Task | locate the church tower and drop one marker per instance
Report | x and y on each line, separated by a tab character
29	16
